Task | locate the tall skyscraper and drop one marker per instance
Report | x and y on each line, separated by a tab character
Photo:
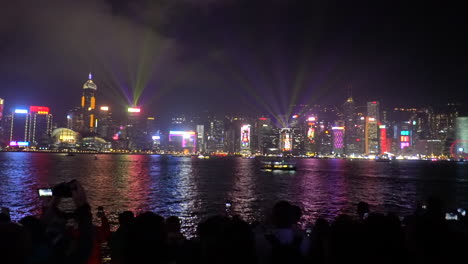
338	138
373	110
40	125
372	128
286	140
245	141
88	105
264	133
351	135
104	122
311	134
19	127
372	136
201	138
1	109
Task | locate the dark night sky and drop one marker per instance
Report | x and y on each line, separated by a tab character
225	54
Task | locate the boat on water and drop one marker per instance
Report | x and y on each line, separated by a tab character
278	165
383	160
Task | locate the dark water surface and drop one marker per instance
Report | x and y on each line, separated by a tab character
194	189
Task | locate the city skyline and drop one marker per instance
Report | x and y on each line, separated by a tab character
262	55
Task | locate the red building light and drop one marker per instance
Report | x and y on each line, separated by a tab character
39	109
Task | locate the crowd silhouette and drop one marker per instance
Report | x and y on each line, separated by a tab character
369	237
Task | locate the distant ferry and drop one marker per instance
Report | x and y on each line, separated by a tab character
278	165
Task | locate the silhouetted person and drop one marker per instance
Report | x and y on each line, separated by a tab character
320	239
5	215
147	240
287	243
15	244
345	244
175	239
41	251
118	242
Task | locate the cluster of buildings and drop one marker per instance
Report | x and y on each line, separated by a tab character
350	130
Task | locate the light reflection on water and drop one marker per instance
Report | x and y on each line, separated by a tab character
194	189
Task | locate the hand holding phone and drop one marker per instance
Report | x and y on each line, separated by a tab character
45	192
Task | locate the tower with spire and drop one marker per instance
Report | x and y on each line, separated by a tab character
88	105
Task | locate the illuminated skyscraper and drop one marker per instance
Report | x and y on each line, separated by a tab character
265	135
311	134
338	139
201	138
459	148
351	135
1	109
245	141
19	128
372	136
40	125
104	122
373	110
286	140
88	105
372	128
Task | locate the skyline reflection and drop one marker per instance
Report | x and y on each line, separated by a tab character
194	189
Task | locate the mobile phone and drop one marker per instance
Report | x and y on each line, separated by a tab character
228	205
451	216
44	192
308	231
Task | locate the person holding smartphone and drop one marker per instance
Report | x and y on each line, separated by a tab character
77	240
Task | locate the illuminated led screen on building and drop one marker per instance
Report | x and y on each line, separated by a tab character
134	110
187	139
286	139
21	111
42	110
245	137
338	137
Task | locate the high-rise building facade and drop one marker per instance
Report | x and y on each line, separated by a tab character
338	139
19	127
351	135
104	122
40	126
286	140
1	108
372	136
372	128
245	140
310	143
88	105
373	110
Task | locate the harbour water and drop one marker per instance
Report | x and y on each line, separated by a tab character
193	188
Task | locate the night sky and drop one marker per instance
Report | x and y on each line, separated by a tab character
226	55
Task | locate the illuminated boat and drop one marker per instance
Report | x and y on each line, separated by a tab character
278	165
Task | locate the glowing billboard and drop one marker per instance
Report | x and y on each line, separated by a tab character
286	139
21	111
134	110
19	143
41	110
383	139
187	139
338	138
310	133
104	108
245	137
